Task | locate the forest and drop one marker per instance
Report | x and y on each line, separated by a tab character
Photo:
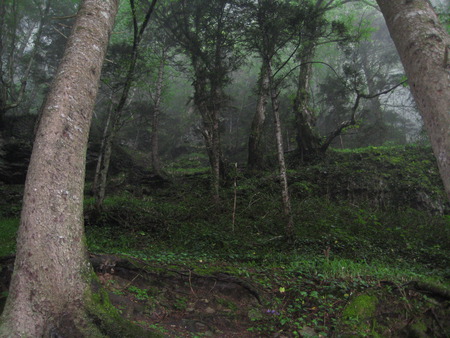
224	168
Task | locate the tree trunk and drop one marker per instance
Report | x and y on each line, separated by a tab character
374	105
208	102
103	161
156	163
98	167
255	153
424	48
51	280
111	131
211	134
308	141
286	200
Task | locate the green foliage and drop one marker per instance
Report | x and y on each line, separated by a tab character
8	229
362	306
194	163
140	294
107	319
350	233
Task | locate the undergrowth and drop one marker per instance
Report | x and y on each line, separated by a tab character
361	217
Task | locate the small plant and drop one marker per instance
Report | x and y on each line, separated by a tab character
180	304
118	292
140	294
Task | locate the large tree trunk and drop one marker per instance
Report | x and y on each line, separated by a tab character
424	48
255	153
51	279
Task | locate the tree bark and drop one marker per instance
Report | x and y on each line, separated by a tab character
51	278
424	48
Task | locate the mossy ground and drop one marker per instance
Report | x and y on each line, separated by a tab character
361	218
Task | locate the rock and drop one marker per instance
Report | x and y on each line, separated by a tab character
308	332
210	310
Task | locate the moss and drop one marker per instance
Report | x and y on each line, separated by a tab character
418	329
106	320
361	307
357	317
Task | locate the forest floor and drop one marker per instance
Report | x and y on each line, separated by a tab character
178	301
369	257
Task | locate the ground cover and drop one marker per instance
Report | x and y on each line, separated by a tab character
368	258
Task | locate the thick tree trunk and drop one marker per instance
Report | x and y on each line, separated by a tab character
424	48
51	275
255	153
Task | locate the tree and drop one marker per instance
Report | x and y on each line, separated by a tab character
50	286
16	38
424	48
156	162
317	30
115	122
271	27
267	36
206	31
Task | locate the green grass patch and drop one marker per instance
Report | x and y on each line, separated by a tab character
8	229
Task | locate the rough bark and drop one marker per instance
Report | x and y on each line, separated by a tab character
424	48
255	153
51	276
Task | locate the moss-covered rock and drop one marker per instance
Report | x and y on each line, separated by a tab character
361	307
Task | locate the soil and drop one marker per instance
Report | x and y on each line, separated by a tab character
181	303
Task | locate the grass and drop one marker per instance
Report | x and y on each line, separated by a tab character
8	229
